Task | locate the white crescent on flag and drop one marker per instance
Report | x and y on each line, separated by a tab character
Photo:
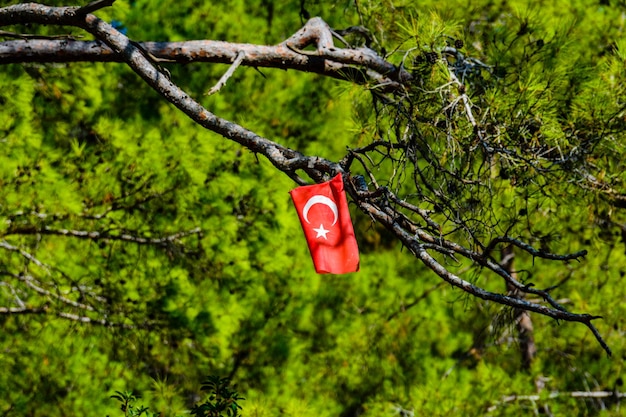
320	199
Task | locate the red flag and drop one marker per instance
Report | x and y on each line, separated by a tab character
325	219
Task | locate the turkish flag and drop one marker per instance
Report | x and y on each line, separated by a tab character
325	219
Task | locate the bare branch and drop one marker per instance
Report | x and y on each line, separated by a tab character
7	34
557	394
64	315
94	5
104	235
418	249
334	62
35	285
222	82
5	245
22	310
89	320
534	252
423	213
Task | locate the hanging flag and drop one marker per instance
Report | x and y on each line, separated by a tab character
325	219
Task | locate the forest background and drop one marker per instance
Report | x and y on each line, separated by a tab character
215	278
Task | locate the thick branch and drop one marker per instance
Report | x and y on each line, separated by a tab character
359	65
283	158
218	52
287	160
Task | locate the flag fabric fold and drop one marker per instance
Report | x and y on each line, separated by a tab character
325	220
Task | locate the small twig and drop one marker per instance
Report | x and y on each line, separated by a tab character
93	6
367	170
423	213
89	320
557	394
360	30
222	81
534	252
18	300
28	256
64	315
22	310
30	282
598	336
467	104
96	235
8	34
338	36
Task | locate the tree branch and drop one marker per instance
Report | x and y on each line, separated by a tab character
5	245
356	65
64	315
231	70
35	285
416	247
534	252
95	5
557	394
100	235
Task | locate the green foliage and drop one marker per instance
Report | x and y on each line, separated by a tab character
127	400
89	147
222	399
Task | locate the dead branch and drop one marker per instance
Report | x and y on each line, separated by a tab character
100	235
63	315
29	257
360	65
534	252
557	394
36	286
415	245
222	81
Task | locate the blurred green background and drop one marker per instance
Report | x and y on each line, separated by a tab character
89	146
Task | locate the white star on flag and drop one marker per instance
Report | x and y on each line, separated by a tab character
321	232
